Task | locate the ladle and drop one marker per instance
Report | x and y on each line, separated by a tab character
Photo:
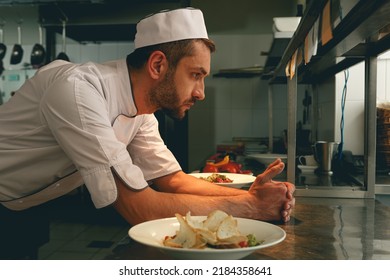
17	50
3	47
38	52
62	55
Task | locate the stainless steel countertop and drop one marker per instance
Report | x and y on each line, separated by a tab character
320	229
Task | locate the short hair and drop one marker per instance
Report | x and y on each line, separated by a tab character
174	51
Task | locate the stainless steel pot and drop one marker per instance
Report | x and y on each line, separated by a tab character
324	153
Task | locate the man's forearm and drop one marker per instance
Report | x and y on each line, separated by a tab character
187	184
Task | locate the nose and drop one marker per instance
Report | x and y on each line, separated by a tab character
199	95
198	92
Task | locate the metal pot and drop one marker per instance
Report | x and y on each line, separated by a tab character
324	153
38	52
17	50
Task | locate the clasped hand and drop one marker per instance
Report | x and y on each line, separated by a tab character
275	199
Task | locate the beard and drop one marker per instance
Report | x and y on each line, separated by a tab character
165	97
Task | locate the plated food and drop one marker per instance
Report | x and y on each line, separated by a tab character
219	230
217	178
237	180
153	233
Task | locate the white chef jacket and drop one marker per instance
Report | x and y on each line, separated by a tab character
78	123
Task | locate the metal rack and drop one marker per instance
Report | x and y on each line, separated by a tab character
356	39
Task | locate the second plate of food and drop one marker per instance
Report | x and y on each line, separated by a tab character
237	180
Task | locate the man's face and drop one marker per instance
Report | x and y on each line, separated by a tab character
181	88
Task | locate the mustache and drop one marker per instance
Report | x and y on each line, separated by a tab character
192	100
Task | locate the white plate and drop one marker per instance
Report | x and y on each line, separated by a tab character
239	180
152	233
267	159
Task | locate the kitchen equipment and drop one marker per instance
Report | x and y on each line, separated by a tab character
324	153
307	169
62	55
17	50
284	27
283	24
1	72
38	52
3	47
307	160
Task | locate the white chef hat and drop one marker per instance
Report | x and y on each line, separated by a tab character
168	26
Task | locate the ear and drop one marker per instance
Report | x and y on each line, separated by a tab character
157	64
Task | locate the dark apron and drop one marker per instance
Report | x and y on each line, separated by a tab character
24	222
23	232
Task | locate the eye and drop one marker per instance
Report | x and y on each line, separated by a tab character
197	76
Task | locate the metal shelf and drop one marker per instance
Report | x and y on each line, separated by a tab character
357	37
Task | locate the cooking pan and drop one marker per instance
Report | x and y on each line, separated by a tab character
3	47
38	52
62	55
17	50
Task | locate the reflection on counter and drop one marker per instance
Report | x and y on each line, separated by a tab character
324	180
320	229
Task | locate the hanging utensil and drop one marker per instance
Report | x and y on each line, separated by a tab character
3	47
38	52
62	55
17	50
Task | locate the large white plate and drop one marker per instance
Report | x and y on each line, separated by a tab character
239	180
152	233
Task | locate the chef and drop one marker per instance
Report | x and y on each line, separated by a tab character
93	124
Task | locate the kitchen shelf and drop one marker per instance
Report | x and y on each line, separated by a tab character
274	55
236	75
359	36
246	72
356	37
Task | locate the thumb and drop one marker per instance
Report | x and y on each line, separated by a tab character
269	173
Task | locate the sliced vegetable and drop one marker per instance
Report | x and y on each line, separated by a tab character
220	163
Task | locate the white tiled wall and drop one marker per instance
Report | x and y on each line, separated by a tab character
81	53
354	108
77	53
